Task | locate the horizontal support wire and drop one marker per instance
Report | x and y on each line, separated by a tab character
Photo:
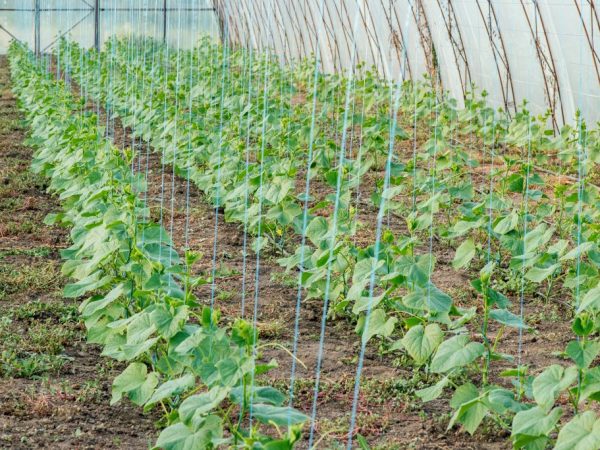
104	9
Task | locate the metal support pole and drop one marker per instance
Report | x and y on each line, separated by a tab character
37	39
97	25
164	20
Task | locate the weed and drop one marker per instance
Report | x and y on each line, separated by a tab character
29	279
272	329
37	252
284	278
38	310
225	295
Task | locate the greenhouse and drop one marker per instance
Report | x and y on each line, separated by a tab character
311	224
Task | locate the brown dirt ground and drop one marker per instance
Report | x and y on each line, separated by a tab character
389	416
67	404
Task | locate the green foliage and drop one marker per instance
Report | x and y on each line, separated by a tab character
138	305
247	156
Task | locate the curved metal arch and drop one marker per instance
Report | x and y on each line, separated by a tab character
298	34
441	42
282	32
371	31
589	34
499	53
340	40
394	44
547	64
456	39
332	43
443	48
426	40
403	56
326	55
251	37
264	31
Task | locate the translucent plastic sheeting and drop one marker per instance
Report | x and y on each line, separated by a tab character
542	51
17	25
118	17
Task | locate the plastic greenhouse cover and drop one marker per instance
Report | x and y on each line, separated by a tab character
516	50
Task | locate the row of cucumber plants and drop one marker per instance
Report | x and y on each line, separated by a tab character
516	220
141	307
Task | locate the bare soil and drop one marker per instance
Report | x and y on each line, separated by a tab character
64	402
389	416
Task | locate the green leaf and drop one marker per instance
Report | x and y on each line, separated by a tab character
516	182
464	226
590	385
583	353
378	325
201	404
457	351
365	302
208	434
539	274
469	408
154	234
229	371
559	247
582	432
135	382
420	342
279	415
364	269
284	213
261	394
551	382
317	230
590	301
578	251
507	223
502	400
432	392
507	318
464	254
180	437
276	191
429	299
171	388
530	428
89	283
92	307
169	321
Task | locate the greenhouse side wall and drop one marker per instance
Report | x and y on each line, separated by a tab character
512	49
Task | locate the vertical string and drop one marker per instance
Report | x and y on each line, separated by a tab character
195	25
333	230
395	91
311	143
525	225
260	195
175	143
224	69
163	142
247	178
581	172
